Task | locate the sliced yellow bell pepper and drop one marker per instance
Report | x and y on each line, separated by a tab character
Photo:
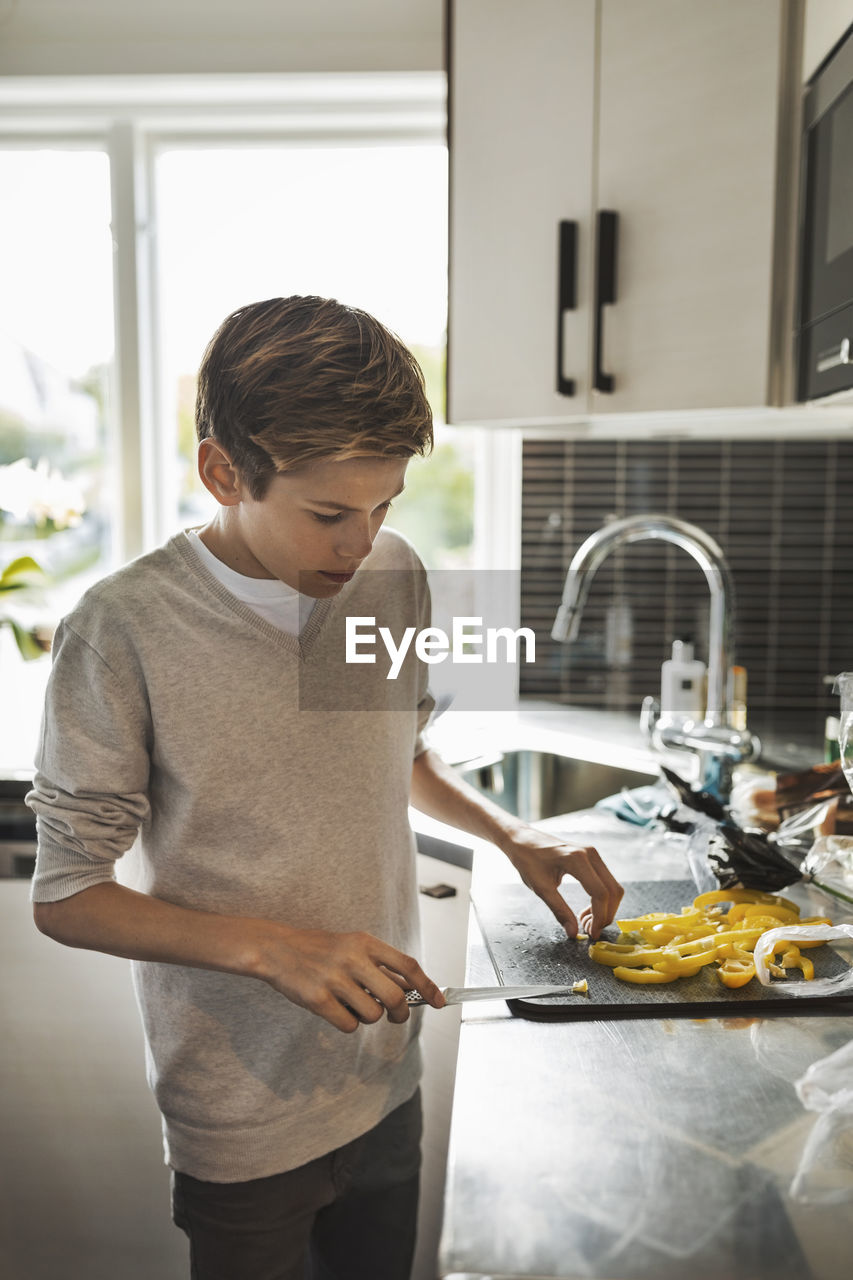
662	946
737	966
765	911
643	922
643	975
657	921
743	895
602	954
762	910
736	972
791	959
684	966
742	937
762	923
818	942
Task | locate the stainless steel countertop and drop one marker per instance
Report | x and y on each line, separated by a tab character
589	733
656	1149
610	737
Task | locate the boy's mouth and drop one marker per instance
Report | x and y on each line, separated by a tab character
336	577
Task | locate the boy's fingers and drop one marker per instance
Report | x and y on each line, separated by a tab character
337	1013
605	893
559	908
426	988
412	976
352	979
395	977
388	996
371	1005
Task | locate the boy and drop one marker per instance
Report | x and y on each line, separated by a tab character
199	711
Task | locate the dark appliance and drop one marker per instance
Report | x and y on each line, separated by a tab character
17	830
825	320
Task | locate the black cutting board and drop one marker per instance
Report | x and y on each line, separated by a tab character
528	947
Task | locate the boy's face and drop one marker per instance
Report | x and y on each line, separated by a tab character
313	527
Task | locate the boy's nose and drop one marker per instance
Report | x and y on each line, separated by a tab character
356	543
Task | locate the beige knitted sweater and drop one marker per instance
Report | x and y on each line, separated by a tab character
249	772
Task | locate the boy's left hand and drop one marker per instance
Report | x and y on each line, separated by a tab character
542	863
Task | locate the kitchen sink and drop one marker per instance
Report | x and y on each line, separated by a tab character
541	784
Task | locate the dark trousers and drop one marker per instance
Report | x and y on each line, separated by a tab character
349	1215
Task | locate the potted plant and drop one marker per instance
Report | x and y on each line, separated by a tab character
20	578
36	503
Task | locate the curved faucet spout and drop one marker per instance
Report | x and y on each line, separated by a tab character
711	560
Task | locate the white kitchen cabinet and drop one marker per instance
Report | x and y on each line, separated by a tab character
677	117
824	25
521	157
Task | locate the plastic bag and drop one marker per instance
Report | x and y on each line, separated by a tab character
834	851
829	865
699	846
825	1171
844	688
834	986
797	832
746	790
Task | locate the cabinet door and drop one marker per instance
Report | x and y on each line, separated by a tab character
521	137
689	100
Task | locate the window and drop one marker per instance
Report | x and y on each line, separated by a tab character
143	211
56	341
364	223
56	457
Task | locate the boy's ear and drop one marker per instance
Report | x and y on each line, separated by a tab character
218	473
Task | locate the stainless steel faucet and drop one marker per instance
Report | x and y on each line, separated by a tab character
719	745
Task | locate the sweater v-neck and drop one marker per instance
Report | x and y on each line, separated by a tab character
300	646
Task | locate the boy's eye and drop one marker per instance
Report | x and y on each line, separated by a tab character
339	515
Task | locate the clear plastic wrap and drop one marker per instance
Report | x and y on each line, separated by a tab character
745	802
824	1173
763	954
844	688
699	846
829	865
797	832
823	1176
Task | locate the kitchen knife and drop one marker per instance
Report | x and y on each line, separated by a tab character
459	995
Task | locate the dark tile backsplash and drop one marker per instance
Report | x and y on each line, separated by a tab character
782	512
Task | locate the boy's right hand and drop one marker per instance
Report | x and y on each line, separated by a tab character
345	978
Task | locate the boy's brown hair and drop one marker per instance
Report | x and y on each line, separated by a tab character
291	381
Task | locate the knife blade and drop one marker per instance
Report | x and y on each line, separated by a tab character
460	995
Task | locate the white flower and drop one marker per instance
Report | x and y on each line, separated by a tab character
39	494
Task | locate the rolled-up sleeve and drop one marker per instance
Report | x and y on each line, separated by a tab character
90	790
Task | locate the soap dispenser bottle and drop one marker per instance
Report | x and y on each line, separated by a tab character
682	684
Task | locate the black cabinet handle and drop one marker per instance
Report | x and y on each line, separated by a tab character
606	227
567	299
